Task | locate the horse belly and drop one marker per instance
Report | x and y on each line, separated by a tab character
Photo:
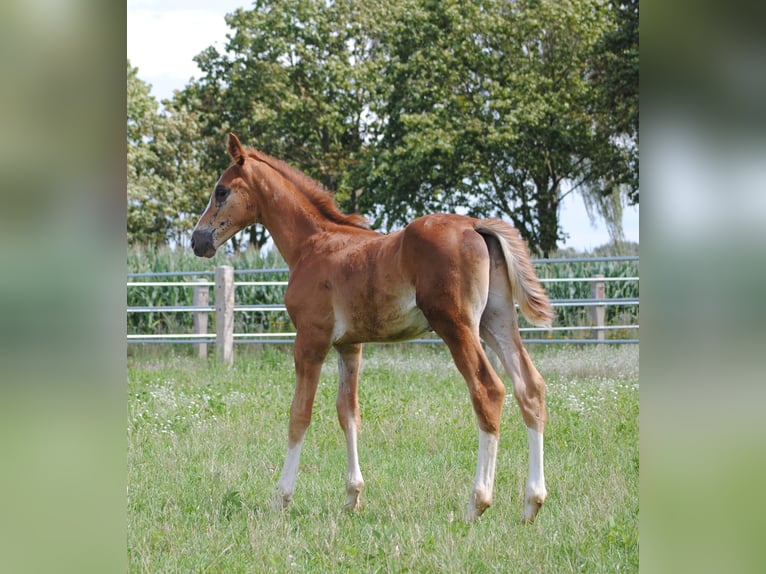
402	325
381	321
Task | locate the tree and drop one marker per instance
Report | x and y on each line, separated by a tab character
615	79
167	187
144	221
489	111
293	80
541	140
427	85
403	107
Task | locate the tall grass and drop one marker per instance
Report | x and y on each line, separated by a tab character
151	259
579	316
206	444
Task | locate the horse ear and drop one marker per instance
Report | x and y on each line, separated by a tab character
235	149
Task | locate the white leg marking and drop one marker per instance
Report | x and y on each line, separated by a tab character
484	483
354	480
535	492
289	476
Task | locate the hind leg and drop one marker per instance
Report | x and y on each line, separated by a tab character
487	395
452	287
499	328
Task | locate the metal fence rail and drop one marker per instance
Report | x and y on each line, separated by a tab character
594	305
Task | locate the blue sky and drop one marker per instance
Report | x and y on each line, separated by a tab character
164	36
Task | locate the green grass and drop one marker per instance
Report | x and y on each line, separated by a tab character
206	445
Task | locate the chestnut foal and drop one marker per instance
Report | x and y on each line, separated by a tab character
349	285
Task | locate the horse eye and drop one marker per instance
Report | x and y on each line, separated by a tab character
221	192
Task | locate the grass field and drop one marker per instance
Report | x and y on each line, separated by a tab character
206	443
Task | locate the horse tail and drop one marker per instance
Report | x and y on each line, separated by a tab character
525	286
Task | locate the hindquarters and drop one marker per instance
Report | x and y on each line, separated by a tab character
458	263
449	265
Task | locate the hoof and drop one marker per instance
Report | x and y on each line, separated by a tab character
532	505
478	504
353	498
280	501
353	504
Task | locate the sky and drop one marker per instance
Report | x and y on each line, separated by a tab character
164	35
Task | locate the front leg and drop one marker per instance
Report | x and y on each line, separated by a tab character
309	352
347	404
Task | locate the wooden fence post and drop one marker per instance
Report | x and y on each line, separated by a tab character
201	298
224	313
598	312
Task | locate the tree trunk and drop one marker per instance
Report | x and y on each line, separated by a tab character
548	216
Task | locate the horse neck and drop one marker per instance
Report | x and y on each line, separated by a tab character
291	220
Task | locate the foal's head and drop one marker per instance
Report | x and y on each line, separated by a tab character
231	207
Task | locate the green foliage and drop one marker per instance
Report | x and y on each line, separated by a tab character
404	107
206	443
489	112
293	82
615	81
167	186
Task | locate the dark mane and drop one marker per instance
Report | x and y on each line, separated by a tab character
313	190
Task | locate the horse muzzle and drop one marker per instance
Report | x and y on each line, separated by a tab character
202	243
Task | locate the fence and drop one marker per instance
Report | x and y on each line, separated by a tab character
590	295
